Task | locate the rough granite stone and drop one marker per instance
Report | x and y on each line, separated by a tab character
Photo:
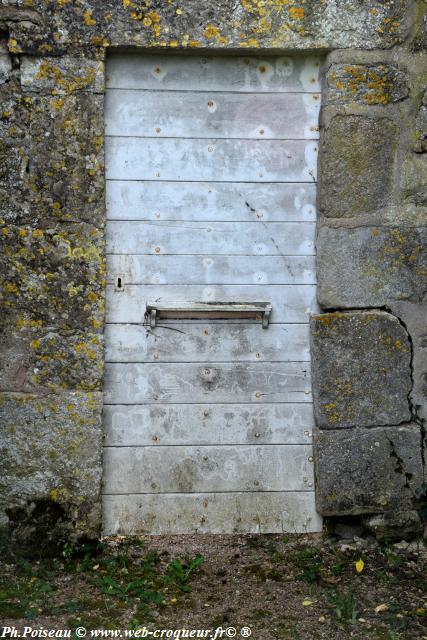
414	318
54	277
52	158
361	369
14	152
5	67
66	159
356	165
49	26
413	179
371	266
367	470
394	525
40	358
421	127
64	75
420	41
51	455
365	83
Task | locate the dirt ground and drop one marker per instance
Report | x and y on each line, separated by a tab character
296	587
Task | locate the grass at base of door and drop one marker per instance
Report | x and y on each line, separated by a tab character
298	587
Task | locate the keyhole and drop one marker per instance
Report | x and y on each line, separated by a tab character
119	283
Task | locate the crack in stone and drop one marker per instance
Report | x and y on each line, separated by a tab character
412	407
415	418
400	464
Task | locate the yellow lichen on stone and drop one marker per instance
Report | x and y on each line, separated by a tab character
296	13
329	406
88	18
100	41
45	48
253	42
11	287
23	323
13	46
57	104
49	71
327	319
211	31
154	17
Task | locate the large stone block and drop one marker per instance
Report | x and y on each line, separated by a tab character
367	470
356	165
361	369
365	83
51	467
54	27
52	157
371	266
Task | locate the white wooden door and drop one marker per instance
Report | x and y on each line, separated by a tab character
211	170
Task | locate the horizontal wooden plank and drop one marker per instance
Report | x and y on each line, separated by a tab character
194	424
190	469
205	342
290	303
206	201
208	382
279	512
219	115
208	269
214	238
213	73
211	159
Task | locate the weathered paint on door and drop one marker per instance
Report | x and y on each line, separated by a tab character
211	169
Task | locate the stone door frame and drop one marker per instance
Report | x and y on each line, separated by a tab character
368	344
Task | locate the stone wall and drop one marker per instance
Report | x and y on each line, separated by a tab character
369	350
369	345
